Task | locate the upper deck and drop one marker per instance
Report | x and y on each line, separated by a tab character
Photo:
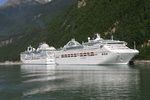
97	43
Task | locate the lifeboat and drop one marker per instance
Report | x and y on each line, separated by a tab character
68	55
92	53
62	56
75	55
65	55
81	54
71	55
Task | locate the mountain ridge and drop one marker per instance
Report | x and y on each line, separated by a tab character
20	2
20	19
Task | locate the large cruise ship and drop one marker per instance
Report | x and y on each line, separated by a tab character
97	51
43	55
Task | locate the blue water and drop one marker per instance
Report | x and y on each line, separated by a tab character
66	82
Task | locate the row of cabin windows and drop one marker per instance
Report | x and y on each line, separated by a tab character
78	54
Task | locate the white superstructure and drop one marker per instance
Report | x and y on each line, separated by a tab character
97	51
43	55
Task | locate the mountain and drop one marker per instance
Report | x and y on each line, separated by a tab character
126	20
26	16
21	2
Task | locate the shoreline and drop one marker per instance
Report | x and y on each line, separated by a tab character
141	62
11	63
132	62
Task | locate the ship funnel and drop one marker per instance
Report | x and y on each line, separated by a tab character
98	37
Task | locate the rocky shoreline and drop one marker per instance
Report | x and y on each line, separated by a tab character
11	63
141	62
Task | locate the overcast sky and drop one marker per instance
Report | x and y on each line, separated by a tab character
2	2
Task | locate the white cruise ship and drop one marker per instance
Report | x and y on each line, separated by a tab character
97	51
43	55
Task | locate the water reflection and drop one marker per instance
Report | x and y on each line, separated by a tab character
29	68
99	82
37	78
103	81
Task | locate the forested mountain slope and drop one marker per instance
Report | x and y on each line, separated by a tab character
127	20
28	14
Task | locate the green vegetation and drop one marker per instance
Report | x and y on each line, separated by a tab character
127	20
25	17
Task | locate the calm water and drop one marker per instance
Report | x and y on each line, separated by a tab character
36	82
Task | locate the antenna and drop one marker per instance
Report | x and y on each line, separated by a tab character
112	37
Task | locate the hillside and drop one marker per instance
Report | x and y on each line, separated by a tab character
127	20
23	17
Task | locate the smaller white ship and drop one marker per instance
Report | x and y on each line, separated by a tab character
43	55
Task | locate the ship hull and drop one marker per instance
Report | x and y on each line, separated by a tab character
100	59
39	62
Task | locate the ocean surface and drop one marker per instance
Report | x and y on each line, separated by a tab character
72	82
